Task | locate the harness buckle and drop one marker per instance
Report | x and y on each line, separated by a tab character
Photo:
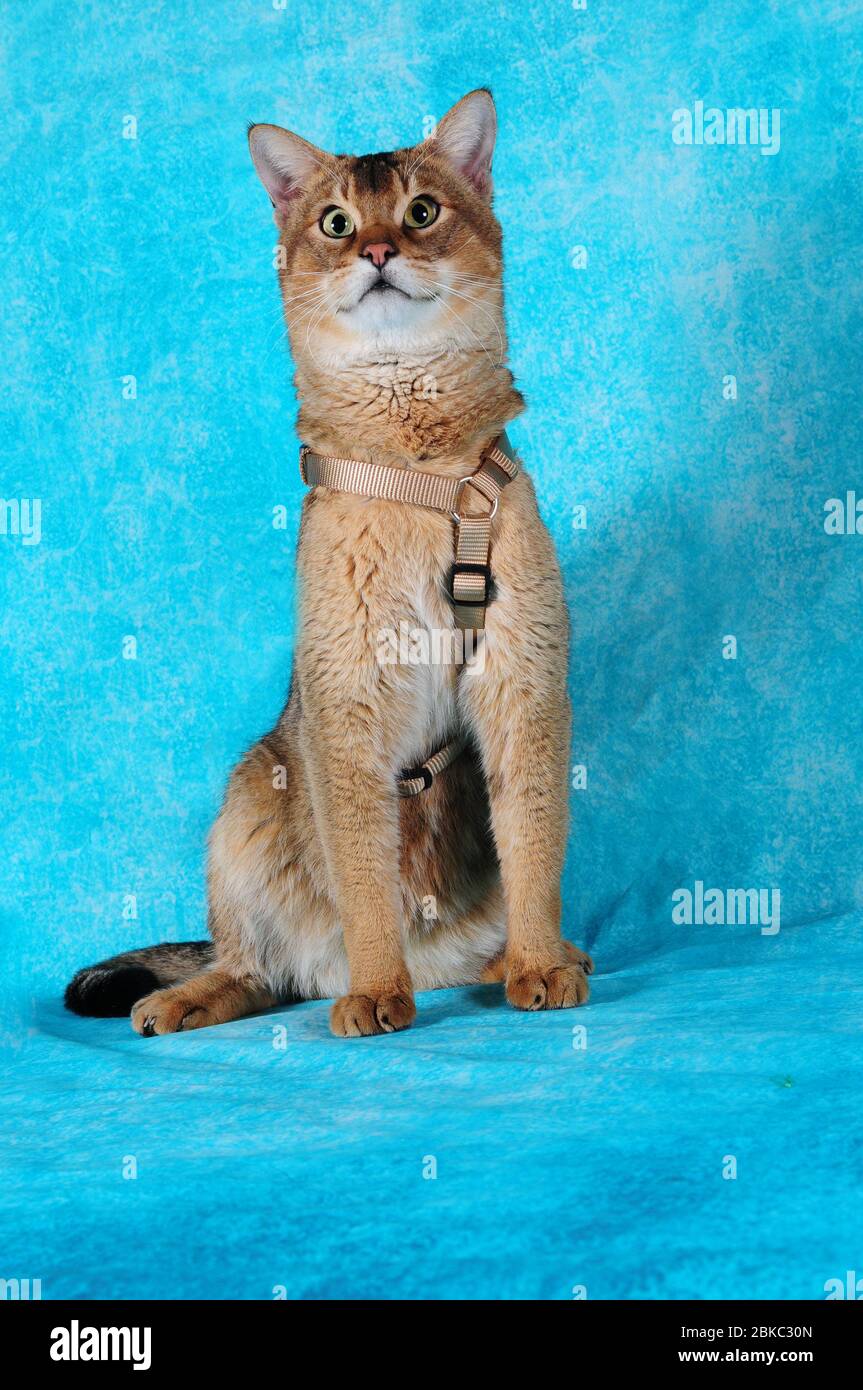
460	486
304	452
461	567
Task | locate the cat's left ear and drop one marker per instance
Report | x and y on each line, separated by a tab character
466	135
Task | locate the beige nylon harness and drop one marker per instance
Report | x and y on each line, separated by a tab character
470	578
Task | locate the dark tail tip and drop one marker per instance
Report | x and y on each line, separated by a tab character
108	991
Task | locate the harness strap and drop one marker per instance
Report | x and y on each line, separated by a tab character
379	480
418	779
471	575
470	579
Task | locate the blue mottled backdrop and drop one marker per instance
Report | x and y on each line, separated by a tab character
685	322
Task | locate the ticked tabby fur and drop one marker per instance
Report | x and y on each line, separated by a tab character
322	882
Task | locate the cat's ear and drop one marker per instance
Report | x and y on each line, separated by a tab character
466	138
284	163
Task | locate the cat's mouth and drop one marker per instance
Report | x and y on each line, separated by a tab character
381	286
381	299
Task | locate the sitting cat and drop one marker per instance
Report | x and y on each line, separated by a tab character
326	879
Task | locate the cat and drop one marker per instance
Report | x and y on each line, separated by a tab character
323	882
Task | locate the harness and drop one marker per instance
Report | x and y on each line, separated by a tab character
470	577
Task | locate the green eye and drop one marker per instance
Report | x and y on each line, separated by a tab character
421	212
337	223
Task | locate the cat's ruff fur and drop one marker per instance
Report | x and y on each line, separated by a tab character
322	882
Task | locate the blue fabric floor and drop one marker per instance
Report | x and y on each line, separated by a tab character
685	324
275	1161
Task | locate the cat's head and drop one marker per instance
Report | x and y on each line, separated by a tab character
388	253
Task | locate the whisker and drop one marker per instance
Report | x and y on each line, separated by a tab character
470	275
308	311
304	294
314	323
450	310
422	156
479	305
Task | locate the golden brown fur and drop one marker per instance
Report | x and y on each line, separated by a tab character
322	882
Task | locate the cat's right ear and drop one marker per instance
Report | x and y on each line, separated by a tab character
284	163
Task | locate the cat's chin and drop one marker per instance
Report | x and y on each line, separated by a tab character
386	325
387	311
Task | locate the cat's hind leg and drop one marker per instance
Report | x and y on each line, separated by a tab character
214	996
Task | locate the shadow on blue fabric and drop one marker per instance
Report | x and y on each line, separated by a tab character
685	318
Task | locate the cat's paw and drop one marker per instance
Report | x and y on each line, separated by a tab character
362	1015
169	1011
578	957
553	987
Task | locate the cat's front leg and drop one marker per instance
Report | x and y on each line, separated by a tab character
518	707
356	814
524	737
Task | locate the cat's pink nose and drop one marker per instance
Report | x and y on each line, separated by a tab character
378	252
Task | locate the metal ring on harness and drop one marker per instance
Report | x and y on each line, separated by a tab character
462	483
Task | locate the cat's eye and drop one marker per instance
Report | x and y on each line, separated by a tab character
421	212
337	223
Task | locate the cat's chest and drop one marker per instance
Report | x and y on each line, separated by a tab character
381	562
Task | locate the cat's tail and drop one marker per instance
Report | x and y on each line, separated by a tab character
111	988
